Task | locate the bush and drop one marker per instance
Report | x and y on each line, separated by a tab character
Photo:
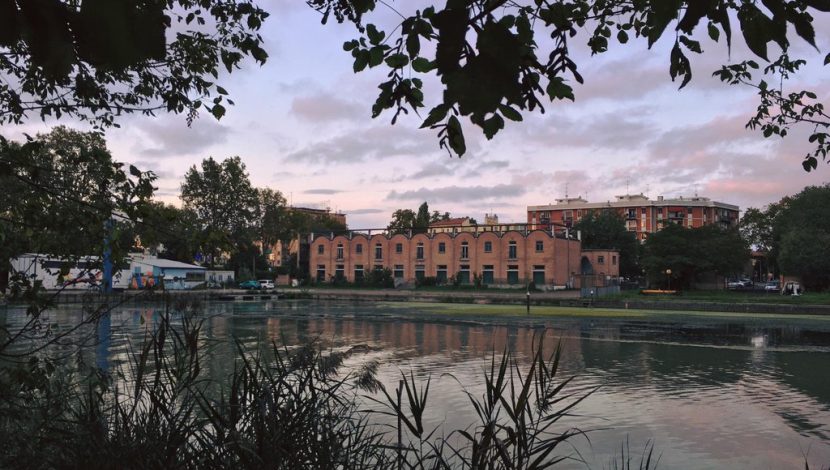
379	278
428	281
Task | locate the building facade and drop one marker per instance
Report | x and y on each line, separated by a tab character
642	215
496	258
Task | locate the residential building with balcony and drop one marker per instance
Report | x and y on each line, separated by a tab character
642	215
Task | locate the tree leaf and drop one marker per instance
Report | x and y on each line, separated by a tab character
714	32
413	44
492	125
436	115
558	89
422	65
397	60
510	113
456	136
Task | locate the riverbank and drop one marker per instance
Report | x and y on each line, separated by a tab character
567	299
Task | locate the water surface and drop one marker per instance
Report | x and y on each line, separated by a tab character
710	392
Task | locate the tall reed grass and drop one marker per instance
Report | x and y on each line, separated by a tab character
283	408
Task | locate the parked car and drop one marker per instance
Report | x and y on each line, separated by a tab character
746	282
734	284
266	283
772	286
249	285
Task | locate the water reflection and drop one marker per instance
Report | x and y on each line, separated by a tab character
711	393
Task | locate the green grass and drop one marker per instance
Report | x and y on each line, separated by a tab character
588	312
727	296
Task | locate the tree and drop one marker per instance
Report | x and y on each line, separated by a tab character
801	230
221	196
495	62
272	216
692	253
98	59
606	230
437	216
60	190
168	231
403	220
422	218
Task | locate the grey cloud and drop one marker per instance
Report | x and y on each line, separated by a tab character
459	193
613	130
170	136
326	107
363	211
374	143
322	191
433	169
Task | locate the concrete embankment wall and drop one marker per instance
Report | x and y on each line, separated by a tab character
560	298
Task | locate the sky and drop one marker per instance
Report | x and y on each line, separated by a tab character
302	125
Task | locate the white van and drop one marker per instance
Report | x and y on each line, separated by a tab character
266	284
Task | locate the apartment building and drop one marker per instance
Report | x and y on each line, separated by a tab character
642	215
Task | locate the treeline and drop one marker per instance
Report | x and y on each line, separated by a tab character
64	195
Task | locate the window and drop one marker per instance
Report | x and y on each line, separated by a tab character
512	274
321	272
643	211
339	272
321	249
540	246
488	247
632	213
378	251
339	251
442	247
487	274
614	260
441	273
464	274
600	259
398	271
419	251
358	248
512	250
399	248
539	275
358	273
419	272
465	250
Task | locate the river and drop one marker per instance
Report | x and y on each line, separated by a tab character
709	391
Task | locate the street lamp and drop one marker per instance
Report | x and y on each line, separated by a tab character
668	278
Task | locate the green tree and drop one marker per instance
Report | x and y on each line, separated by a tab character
98	59
801	228
692	253
606	230
221	196
168	231
498	59
403	220
422	218
272	216
437	216
59	191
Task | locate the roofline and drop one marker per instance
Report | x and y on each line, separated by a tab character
636	203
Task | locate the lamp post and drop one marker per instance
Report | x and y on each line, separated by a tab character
668	278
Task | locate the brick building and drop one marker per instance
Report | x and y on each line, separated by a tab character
642	215
497	258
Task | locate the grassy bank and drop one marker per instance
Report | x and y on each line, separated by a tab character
728	296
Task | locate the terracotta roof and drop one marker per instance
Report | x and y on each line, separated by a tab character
450	222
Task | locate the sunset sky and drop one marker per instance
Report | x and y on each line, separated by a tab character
302	124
